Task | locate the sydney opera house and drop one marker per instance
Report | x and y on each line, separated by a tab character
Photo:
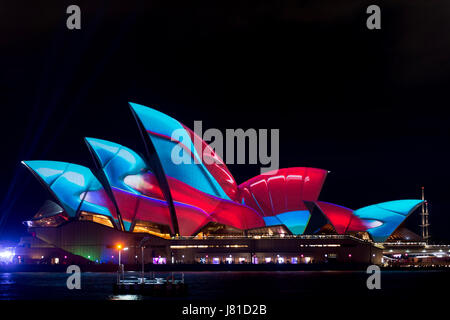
195	212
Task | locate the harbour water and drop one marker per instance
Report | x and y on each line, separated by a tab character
261	286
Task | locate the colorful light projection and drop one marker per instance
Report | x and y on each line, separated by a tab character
139	196
279	195
391	214
167	136
185	197
379	220
74	187
125	169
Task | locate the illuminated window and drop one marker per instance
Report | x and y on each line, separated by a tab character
50	215
152	228
208	246
200	235
218	229
97	218
278	230
159	260
53	221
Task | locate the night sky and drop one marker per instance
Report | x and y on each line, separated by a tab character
368	105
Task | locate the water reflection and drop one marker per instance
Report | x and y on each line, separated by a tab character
6	279
126	297
6	284
223	285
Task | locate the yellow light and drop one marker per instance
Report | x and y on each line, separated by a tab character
119	246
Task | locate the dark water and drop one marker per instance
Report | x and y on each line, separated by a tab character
234	285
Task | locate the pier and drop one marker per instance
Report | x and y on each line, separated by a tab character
152	286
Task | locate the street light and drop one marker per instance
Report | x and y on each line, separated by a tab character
120	248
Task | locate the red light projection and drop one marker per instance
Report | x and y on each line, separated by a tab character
282	190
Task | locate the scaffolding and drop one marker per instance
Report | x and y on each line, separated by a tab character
425	224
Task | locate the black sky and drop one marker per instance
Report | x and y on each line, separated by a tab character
370	106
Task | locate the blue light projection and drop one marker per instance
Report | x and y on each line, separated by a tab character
117	162
295	221
160	128
120	164
391	214
69	183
